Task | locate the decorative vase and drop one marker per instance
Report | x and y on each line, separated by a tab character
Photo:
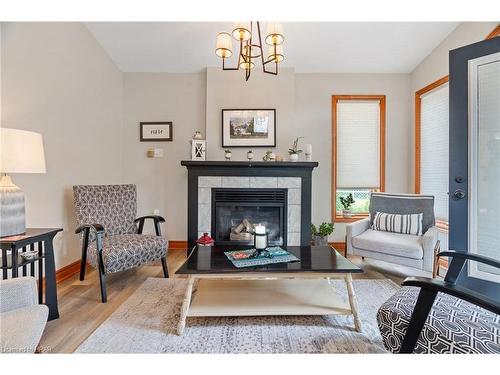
347	213
294	157
228	155
320	241
250	155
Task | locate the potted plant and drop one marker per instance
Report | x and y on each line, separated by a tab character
294	150
347	203
320	236
250	155
269	156
228	154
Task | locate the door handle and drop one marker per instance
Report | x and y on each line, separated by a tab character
459	194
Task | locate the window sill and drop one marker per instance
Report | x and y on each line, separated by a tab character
342	219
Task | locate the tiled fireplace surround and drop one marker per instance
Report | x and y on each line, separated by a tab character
296	177
292	184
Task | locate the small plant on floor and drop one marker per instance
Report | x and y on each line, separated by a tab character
294	151
320	236
347	203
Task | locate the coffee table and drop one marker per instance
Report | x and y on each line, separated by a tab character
297	288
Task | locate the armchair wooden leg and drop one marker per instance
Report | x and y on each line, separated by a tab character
83	265
165	267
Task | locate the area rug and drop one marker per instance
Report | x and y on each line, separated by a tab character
146	323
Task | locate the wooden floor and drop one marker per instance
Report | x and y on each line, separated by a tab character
81	310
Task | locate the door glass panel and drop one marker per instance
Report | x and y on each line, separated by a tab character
484	231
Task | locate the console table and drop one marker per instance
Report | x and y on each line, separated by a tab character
42	238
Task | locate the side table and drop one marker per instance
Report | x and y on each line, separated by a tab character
42	238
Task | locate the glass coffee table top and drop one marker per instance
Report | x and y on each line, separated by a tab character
321	259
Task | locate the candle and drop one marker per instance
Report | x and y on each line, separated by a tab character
260	237
309	148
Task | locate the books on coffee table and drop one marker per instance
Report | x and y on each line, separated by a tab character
249	257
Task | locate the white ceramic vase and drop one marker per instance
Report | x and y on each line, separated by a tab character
294	157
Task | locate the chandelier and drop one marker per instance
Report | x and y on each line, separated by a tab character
251	47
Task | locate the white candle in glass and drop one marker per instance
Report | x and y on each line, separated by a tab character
260	241
309	151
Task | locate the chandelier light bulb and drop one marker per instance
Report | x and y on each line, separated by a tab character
241	31
276	53
274	34
223	45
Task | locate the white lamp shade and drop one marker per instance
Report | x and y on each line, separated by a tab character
241	31
274	33
21	151
278	56
224	45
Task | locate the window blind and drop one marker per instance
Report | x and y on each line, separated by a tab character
434	148
358	144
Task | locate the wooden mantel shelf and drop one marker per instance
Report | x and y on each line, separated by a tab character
250	164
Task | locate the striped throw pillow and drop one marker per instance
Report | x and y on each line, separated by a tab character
406	224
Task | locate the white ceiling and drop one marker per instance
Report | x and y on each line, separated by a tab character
310	47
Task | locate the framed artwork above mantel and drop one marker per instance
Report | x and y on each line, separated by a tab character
249	128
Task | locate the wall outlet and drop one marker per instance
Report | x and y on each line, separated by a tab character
154	153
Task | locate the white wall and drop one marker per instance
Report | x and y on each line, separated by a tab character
162	182
57	80
313	118
303	105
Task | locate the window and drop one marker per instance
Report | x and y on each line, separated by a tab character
358	151
432	146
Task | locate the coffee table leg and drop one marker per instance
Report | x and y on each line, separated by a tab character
185	306
353	302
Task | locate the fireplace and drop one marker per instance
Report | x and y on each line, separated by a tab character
235	212
269	192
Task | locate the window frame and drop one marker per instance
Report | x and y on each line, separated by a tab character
441	224
382	122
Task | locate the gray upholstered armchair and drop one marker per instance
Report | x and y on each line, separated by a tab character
112	239
23	319
406	249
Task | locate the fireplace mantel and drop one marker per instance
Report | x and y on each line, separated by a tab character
254	170
249	164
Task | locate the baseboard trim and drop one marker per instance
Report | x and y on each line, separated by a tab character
337	245
68	271
177	245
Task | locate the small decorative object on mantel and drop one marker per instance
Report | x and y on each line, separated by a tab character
279	158
248	128
320	236
156	131
198	147
228	154
269	156
294	150
197	135
347	203
309	152
250	155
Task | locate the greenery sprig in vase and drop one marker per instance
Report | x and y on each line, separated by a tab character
320	235
294	151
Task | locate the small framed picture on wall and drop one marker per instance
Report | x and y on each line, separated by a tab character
156	131
248	128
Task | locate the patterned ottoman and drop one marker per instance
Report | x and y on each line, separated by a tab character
453	325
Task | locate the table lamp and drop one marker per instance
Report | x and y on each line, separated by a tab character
21	151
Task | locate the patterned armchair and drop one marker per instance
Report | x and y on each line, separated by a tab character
433	316
112	239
